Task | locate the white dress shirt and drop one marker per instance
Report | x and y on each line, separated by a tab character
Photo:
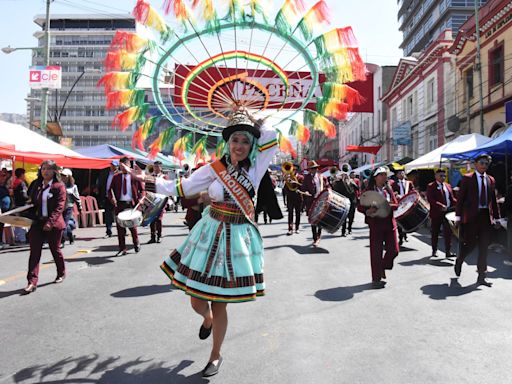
444	190
479	180
46	195
128	181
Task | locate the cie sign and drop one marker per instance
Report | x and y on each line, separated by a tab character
45	77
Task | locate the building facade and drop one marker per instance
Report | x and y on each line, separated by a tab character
365	128
495	21
79	44
420	101
421	21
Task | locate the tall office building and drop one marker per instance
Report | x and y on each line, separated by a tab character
79	44
422	21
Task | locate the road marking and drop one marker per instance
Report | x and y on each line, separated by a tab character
16	276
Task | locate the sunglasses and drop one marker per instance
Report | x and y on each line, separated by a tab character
483	162
442	175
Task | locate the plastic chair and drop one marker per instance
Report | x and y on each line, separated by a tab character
95	212
84	216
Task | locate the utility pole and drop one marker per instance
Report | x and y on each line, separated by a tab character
46	56
478	67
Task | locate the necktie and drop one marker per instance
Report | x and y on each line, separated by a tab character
442	193
483	193
40	198
402	188
125	188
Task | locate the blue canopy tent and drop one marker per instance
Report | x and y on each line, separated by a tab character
500	146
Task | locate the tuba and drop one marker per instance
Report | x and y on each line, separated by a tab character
289	176
346	168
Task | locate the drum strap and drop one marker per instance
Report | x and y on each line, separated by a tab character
239	194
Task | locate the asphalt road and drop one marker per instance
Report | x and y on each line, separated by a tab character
117	320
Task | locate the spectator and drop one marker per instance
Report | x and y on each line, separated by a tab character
20	195
5	199
72	197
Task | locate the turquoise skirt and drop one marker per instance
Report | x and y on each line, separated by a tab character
218	261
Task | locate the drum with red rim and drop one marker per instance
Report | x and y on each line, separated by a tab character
412	211
329	210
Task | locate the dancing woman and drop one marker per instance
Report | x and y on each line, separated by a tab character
221	261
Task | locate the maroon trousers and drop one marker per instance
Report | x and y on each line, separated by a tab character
121	231
380	235
478	233
435	228
36	238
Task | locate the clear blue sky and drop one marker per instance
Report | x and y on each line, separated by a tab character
374	23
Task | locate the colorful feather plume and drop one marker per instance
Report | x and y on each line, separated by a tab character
289	15
319	123
258	8
143	132
162	141
199	149
145	14
318	14
332	108
300	132
335	40
285	145
182	146
122	60
124	119
129	41
344	65
342	92
124	98
114	81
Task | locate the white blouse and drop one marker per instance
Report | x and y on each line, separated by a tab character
205	177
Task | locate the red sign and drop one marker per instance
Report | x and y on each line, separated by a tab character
300	84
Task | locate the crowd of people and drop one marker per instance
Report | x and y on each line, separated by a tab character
221	260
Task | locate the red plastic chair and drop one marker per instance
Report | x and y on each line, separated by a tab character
84	216
95	212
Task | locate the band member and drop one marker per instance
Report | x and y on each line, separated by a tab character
156	225
294	200
48	195
346	187
125	192
313	184
267	200
476	211
401	187
104	186
221	261
383	230
194	205
441	200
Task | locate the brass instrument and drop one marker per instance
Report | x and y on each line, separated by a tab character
289	176
346	168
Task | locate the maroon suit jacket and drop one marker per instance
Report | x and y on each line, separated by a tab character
468	199
436	199
396	187
55	203
114	193
381	222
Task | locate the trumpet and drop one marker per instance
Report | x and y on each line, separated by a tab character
289	176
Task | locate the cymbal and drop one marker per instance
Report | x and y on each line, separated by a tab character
375	199
16	221
17	210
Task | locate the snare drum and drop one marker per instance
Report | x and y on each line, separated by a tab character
329	210
152	207
129	218
412	212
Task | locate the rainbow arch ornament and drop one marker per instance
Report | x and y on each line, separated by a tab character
177	80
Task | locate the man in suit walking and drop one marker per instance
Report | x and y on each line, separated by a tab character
440	197
313	184
401	187
125	192
477	211
103	187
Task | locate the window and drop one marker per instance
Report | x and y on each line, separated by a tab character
469	83
432	129
430	93
496	66
410	108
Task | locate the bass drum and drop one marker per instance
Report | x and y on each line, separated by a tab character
412	212
329	210
152	207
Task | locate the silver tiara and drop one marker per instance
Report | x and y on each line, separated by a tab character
239	118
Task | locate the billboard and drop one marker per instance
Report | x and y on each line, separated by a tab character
402	134
49	77
300	83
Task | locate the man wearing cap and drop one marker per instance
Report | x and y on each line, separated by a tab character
401	187
125	192
156	225
441	200
476	211
313	184
383	230
103	187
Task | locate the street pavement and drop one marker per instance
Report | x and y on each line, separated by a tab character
117	319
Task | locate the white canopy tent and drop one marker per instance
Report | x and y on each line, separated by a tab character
435	158
26	140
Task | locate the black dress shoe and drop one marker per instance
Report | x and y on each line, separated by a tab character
204	332
122	252
457	267
212	368
152	241
450	255
159	239
136	247
483	281
29	289
378	284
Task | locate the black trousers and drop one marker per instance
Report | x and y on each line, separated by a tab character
349	219
478	232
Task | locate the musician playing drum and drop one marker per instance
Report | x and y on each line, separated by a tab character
313	184
401	187
156	225
383	230
440	197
